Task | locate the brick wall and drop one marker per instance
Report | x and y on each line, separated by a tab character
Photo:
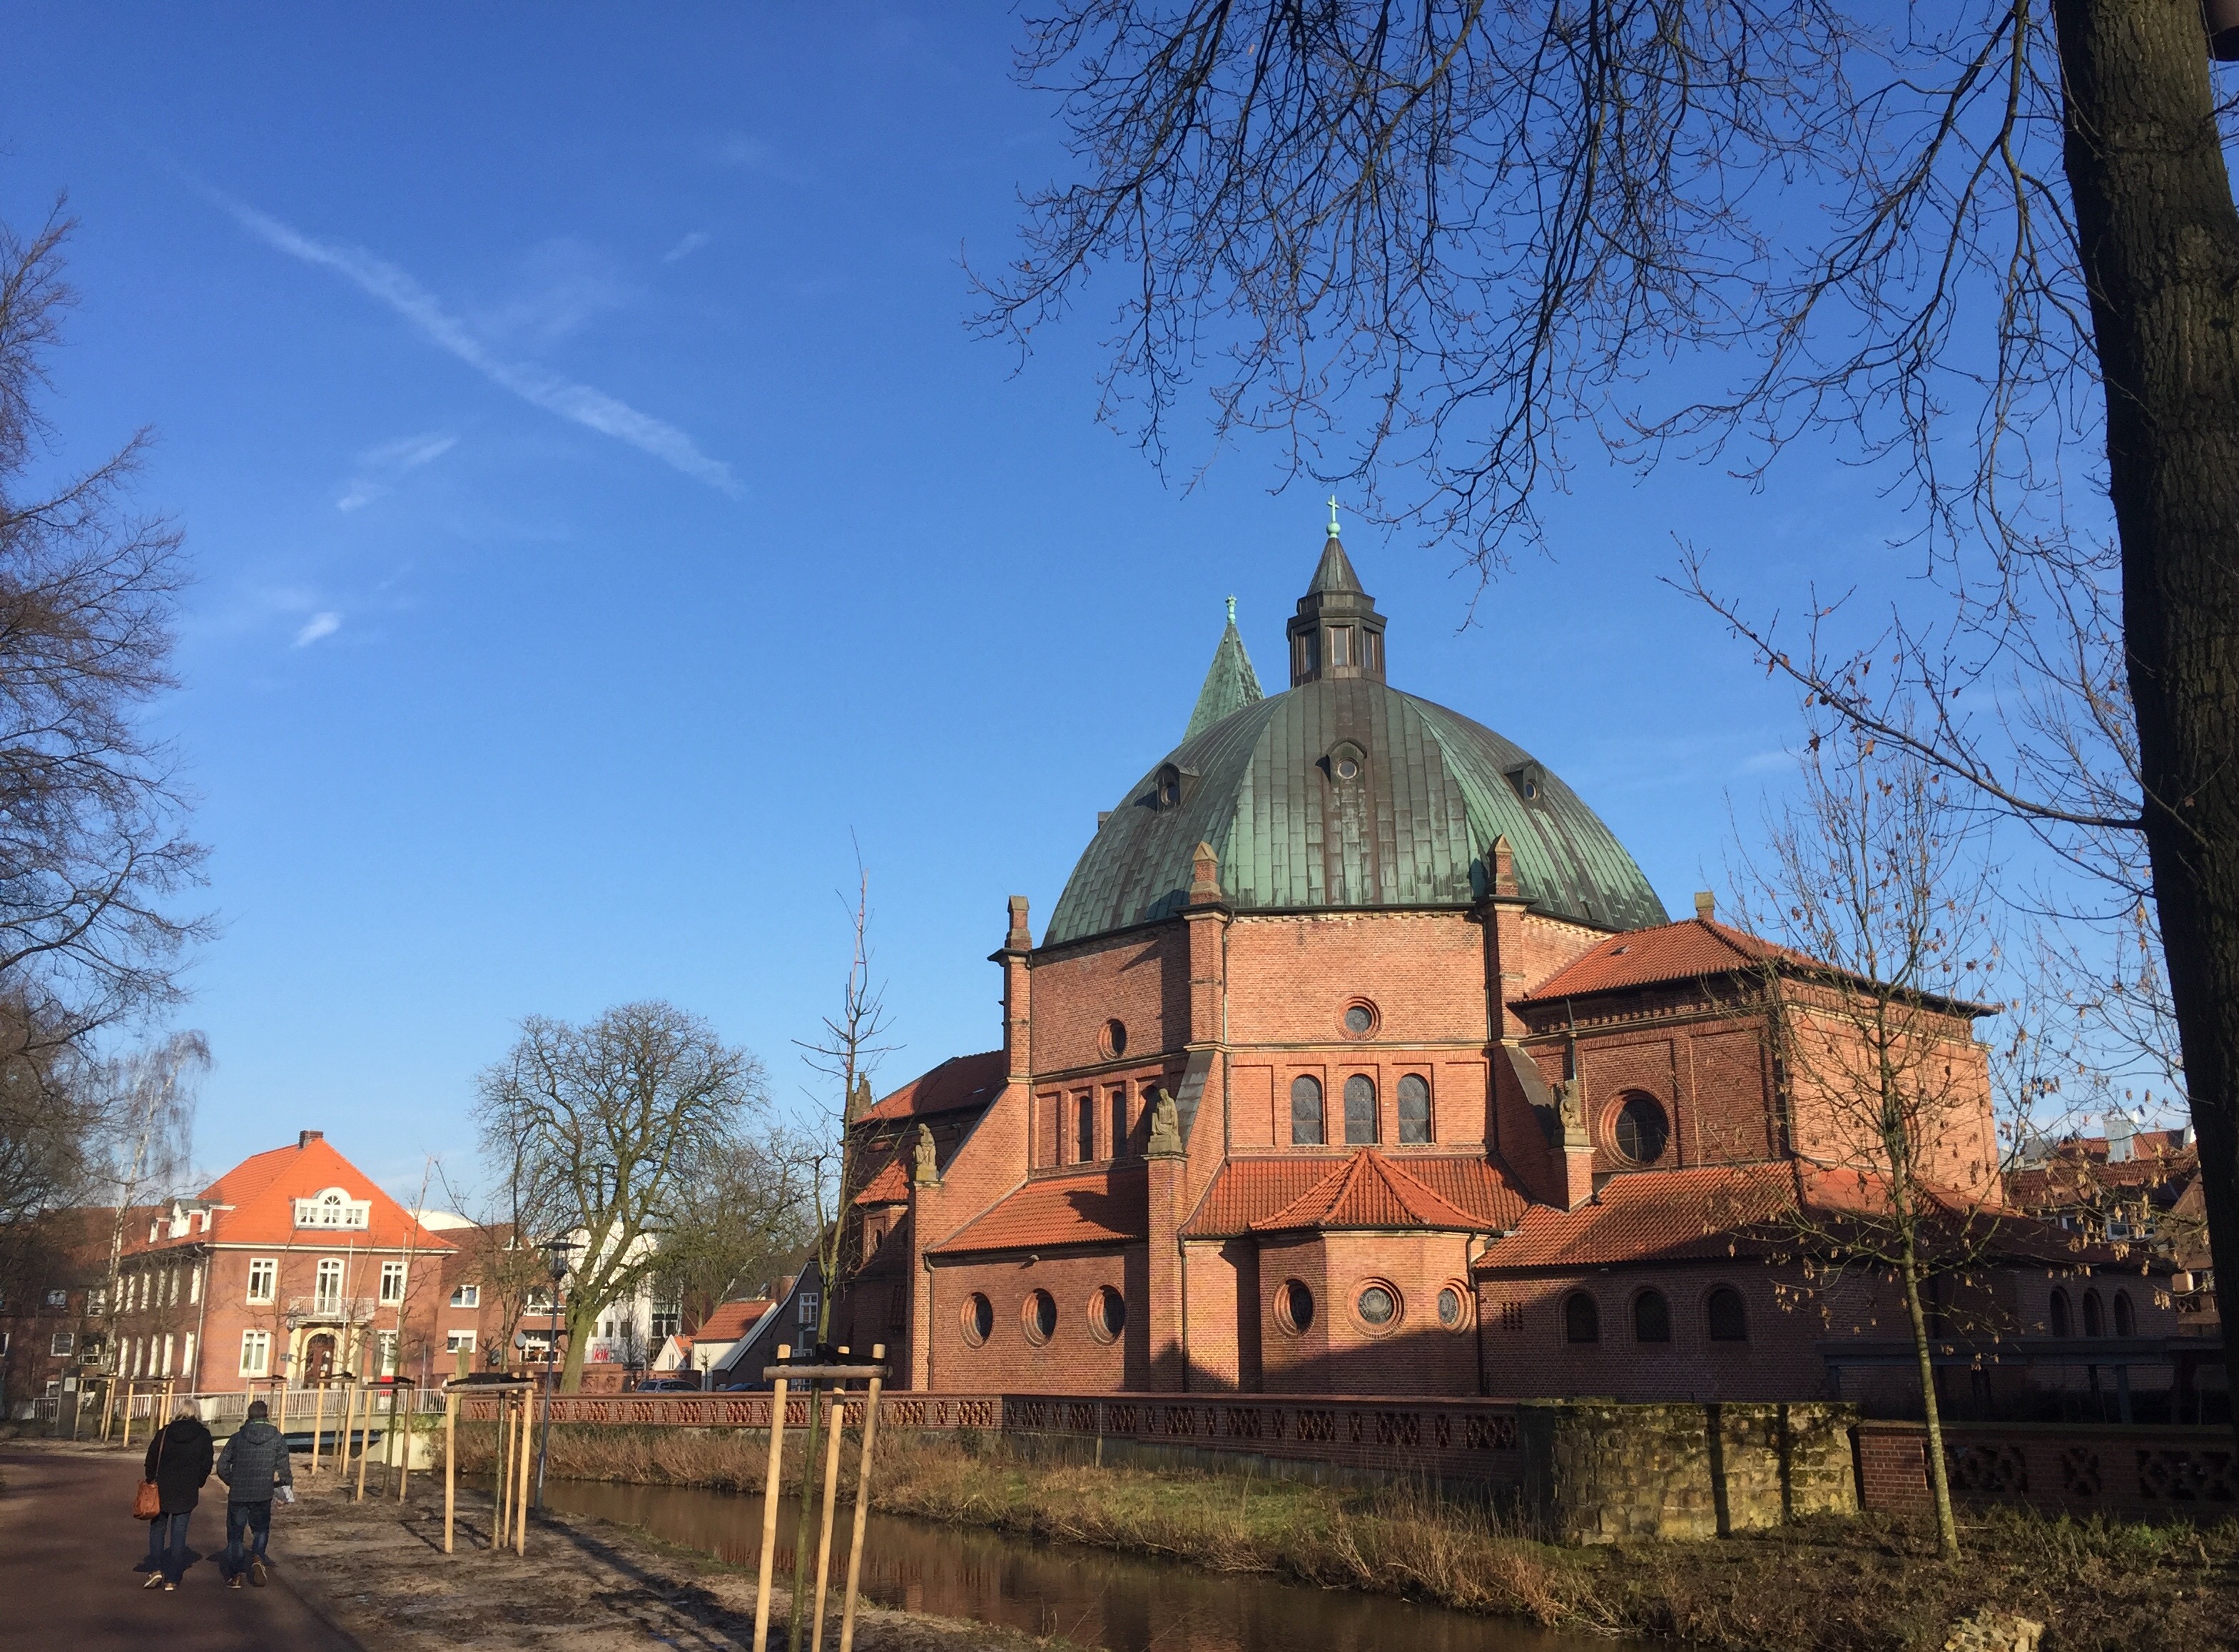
2081	1470
1075	1356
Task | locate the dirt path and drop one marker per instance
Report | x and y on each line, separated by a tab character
376	1573
67	1549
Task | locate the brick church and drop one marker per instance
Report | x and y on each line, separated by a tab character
1358	1057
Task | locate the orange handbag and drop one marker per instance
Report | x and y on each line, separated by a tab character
147	1501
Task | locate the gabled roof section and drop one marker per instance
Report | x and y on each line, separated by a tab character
956	1084
1652	1216
1101	1207
1367	1191
1682	951
890	1186
255	1201
730	1321
1230	684
1291	1192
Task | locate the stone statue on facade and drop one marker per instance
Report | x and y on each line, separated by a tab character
1166	1124
928	1169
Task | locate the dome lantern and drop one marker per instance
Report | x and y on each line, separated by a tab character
1337	632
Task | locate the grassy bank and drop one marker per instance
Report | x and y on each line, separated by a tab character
1869	1585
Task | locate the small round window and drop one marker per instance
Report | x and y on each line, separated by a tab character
1378	1306
978	1319
1360	1017
1107	1314
1642	1131
1115	1038
1294	1306
1039	1317
1453	1308
1348	769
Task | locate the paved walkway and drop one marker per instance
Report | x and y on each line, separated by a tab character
68	1546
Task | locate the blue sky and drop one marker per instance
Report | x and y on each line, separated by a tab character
602	511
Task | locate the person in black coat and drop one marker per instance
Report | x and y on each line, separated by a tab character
178	1460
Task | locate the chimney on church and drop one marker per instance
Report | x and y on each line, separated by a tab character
1705	904
305	1138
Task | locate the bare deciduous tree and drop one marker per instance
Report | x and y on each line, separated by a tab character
1993	249
607	1123
744	1218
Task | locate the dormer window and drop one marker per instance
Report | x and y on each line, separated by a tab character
1340	644
1530	783
334	1208
1344	762
1170	787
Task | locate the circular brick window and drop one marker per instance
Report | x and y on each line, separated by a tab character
1107	1314
1641	1130
1115	1038
1454	1307
1378	1304
1360	1019
1038	1316
978	1318
1294	1307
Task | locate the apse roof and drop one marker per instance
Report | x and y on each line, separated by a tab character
1096	1207
1268	1194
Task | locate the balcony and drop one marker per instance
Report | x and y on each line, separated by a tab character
331	1310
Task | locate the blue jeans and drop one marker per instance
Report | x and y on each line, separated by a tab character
245	1518
166	1544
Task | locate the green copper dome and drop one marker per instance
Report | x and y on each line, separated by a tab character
1344	793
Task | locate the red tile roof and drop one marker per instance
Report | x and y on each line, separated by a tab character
1367	1191
1445	1191
890	1186
729	1321
1095	1208
957	1083
1648	1216
262	1190
1681	951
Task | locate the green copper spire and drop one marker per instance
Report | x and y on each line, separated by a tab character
1230	685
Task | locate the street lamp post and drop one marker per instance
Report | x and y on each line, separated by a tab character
557	1253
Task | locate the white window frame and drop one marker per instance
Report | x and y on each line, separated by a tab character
456	1340
187	1356
467	1296
392	1283
324	1301
194	1284
268	1268
805	1314
333	1207
385	1353
61	1345
256	1353
166	1371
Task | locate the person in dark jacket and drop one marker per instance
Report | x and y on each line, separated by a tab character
254	1461
179	1462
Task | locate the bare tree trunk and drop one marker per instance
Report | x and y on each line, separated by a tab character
1939	1475
2159	237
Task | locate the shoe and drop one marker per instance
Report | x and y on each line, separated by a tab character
256	1571
234	1581
169	1587
155	1581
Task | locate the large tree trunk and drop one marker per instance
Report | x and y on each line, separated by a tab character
2160	241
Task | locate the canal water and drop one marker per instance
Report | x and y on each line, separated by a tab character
1092	1597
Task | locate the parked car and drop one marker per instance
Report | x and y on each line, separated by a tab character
669	1384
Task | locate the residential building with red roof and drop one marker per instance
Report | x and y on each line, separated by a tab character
1358	1055
293	1264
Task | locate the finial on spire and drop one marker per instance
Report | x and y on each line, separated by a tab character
1231	610
1332	505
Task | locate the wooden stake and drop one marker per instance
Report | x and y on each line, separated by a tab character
318	1425
364	1436
127	1442
863	1506
521	1486
403	1452
108	1404
450	1463
824	1538
501	1494
769	1504
282	1424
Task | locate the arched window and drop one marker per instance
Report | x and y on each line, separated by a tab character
2094	1320
2126	1324
1359	1109
2062	1323
1642	1131
1582	1319
1651	1318
1085	1132
1414	1109
1729	1320
1305	1111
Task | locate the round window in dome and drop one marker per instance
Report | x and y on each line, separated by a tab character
1454	1307
1642	1131
1378	1304
1347	769
1294	1307
978	1318
1038	1316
